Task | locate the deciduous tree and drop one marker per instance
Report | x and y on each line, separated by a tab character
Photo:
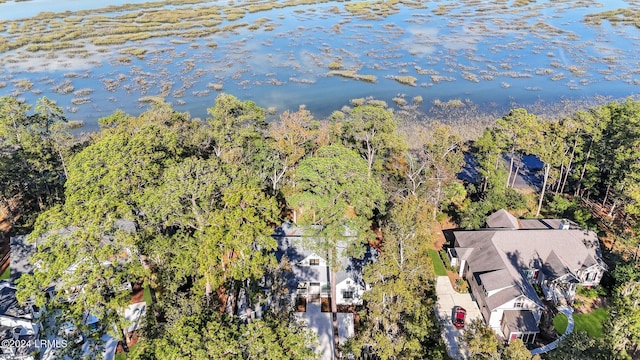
399	322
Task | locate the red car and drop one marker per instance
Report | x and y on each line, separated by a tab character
458	317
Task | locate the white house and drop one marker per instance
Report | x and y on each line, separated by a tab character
309	286
310	276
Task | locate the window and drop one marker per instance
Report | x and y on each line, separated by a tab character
347	294
314	262
591	276
518	304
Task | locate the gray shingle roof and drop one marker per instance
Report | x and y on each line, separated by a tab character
9	304
498	257
502	219
554	267
500	298
294	245
520	320
497	279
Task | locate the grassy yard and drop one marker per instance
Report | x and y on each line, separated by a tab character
147	295
6	274
438	266
591	322
560	323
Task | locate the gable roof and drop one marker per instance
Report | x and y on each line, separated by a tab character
9	305
520	321
554	267
294	245
496	280
502	219
498	258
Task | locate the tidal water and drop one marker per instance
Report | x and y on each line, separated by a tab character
479	52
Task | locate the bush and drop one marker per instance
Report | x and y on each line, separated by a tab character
461	286
589	293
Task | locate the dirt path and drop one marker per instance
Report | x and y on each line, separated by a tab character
438	237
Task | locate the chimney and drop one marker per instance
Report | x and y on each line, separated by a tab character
564	224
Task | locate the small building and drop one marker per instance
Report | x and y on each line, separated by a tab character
506	262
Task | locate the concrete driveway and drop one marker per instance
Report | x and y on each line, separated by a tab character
321	323
448	299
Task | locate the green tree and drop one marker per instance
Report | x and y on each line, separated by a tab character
82	246
399	322
579	345
371	131
480	340
444	157
335	193
236	129
548	149
291	139
489	158
335	203
13	120
33	148
623	327
516	134
516	350
194	330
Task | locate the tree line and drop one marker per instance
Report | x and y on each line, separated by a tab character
202	199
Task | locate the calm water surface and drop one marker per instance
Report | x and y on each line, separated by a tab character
491	59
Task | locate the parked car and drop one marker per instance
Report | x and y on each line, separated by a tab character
458	318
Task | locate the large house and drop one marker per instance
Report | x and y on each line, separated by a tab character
506	262
309	287
310	274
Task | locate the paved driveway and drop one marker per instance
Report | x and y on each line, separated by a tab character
321	323
448	299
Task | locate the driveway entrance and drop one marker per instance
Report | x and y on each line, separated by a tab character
448	299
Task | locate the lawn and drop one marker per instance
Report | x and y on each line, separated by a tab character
438	266
147	295
591	322
560	323
6	274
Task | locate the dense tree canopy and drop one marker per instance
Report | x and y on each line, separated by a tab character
187	208
337	199
399	321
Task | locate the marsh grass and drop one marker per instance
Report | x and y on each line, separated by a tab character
405	80
80	100
335	65
352	74
83	92
623	16
215	86
470	77
24	84
77	33
400	101
137	52
453	103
